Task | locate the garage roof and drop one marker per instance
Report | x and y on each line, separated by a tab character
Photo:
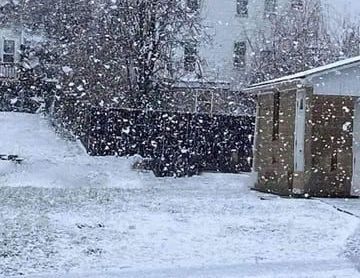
308	73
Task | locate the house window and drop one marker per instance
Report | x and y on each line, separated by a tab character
204	102
190	53
266	55
239	54
9	51
270	7
297	4
193	5
276	116
242	8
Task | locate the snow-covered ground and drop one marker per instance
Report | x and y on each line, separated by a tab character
51	161
64	214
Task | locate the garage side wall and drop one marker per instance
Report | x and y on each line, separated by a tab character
331	146
274	157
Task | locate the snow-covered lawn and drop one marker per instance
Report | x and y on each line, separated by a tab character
64	214
51	161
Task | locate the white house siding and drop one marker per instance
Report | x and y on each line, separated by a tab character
225	27
9	59
14	34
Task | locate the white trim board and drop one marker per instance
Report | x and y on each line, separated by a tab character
299	135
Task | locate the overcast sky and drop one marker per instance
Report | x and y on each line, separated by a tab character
345	7
337	10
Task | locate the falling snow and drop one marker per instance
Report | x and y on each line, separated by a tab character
167	138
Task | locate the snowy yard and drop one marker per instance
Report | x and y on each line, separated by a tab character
64	214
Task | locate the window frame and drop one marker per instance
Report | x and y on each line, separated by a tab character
242	8
239	55
6	53
270	7
193	5
297	5
190	56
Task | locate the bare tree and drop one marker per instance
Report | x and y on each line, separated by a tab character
146	33
350	40
298	40
119	52
111	52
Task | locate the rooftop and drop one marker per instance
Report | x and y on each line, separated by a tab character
308	73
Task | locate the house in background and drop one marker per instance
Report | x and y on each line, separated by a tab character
16	31
22	76
11	39
213	69
307	138
230	27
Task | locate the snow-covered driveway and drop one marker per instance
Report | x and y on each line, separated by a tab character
64	214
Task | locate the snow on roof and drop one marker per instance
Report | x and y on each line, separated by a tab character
307	73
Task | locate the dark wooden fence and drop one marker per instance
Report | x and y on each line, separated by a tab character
176	143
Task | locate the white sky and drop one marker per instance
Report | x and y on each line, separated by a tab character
347	8
338	10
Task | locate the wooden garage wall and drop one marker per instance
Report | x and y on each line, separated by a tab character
331	146
274	159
